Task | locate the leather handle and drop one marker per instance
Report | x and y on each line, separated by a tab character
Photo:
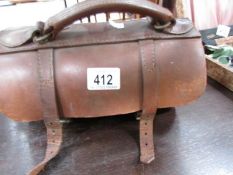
86	8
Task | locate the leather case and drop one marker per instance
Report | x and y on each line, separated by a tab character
44	68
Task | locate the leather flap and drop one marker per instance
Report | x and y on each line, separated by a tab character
181	26
14	37
93	34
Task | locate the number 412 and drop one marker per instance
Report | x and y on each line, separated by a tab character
101	80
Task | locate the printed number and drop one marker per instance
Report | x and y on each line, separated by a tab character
97	81
109	80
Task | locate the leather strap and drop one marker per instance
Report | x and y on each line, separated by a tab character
149	99
51	113
49	107
86	8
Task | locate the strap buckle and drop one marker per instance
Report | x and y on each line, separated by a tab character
159	26
42	39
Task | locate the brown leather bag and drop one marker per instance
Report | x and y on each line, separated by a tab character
92	70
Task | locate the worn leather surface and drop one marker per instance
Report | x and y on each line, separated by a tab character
180	60
46	81
13	37
104	33
182	25
50	111
150	89
87	8
56	23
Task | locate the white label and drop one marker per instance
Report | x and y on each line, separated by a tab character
223	30
103	78
116	24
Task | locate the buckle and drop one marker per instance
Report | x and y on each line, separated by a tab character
159	26
42	39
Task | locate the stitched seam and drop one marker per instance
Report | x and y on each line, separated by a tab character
156	67
69	43
39	69
143	65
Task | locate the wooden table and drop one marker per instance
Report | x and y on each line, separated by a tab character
196	139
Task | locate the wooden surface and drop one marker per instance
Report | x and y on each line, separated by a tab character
220	72
196	139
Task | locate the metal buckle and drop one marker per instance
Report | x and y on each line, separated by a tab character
42	39
163	26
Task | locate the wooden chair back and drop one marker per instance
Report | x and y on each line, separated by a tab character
121	16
